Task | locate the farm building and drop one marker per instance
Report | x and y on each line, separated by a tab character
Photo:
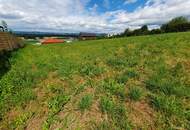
87	36
9	42
52	41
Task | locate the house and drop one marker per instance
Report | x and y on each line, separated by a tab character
52	41
87	36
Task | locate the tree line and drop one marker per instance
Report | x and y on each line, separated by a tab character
178	24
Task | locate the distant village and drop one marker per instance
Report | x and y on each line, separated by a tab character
48	38
51	38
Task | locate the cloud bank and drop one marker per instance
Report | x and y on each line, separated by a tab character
76	16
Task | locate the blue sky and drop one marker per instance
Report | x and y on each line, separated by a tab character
113	5
103	16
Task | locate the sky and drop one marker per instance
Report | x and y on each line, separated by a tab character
100	16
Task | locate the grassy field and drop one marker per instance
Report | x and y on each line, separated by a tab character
117	84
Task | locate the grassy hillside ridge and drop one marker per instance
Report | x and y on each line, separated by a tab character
125	83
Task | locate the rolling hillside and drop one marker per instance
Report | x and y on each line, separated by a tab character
115	84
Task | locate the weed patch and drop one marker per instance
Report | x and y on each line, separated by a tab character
91	70
116	62
85	102
114	88
20	122
124	77
135	93
57	103
107	105
168	105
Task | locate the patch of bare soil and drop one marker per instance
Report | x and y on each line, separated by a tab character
38	106
141	115
35	123
41	113
74	119
8	118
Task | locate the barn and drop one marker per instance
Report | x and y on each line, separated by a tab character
87	36
9	42
52	41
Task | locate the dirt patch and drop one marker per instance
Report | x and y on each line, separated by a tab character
36	122
186	64
9	117
72	118
75	119
141	115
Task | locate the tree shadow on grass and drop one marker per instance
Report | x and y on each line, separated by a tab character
4	62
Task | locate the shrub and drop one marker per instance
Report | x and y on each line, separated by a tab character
135	93
85	102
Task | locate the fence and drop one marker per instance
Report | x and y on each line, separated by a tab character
9	42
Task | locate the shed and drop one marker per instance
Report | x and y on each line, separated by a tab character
87	36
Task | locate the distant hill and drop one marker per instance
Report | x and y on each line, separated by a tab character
34	34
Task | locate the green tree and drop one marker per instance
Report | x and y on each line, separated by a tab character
178	20
144	28
5	26
178	24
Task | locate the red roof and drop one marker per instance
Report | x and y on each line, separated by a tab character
52	41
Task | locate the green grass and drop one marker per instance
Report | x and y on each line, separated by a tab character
106	105
94	84
135	93
85	102
112	87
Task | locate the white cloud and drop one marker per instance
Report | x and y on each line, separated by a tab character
130	1
73	16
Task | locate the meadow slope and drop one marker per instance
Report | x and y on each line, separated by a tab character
115	84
